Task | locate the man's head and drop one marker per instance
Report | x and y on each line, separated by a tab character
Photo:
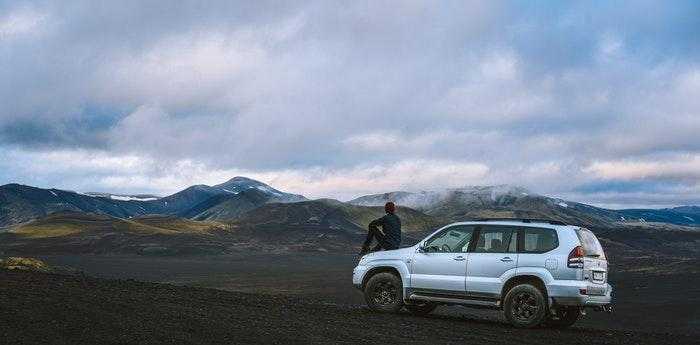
389	207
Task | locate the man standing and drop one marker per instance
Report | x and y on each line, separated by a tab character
389	236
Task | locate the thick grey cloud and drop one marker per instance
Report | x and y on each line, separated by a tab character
596	101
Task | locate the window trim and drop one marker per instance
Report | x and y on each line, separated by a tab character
477	236
521	239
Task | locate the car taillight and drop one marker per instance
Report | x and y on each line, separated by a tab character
576	258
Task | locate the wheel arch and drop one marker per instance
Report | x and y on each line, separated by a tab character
532	279
399	271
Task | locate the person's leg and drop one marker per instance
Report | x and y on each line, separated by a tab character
382	245
373	233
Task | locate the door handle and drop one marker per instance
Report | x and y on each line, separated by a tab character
506	259
459	258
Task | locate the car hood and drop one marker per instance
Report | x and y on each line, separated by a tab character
390	254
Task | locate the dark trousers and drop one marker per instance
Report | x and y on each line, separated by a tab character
374	233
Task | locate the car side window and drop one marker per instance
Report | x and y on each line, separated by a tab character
494	239
539	240
454	239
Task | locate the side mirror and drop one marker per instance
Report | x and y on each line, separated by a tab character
421	248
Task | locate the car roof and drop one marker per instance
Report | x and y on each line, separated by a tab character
519	222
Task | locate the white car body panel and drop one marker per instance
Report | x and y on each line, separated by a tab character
483	275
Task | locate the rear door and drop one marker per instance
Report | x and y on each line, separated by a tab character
490	260
536	245
441	266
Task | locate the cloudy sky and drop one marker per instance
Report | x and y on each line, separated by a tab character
594	101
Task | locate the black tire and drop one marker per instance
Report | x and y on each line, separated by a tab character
384	293
421	309
525	306
566	317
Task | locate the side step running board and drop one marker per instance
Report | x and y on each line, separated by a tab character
462	301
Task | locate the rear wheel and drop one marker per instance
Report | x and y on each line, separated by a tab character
525	306
384	293
421	309
565	317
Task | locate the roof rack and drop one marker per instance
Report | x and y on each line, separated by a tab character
524	220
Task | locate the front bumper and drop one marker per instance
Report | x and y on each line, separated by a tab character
358	274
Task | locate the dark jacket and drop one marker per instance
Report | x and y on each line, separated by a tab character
391	227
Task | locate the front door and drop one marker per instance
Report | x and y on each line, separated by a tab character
493	256
440	266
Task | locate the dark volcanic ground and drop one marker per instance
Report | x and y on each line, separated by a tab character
645	301
39	308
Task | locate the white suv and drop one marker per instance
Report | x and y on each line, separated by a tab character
536	271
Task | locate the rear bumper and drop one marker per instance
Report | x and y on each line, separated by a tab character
570	293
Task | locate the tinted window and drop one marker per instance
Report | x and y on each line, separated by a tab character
454	239
538	240
494	239
590	243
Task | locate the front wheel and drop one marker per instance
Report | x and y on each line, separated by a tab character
525	306
384	293
565	317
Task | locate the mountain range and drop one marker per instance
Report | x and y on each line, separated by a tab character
516	202
245	214
20	203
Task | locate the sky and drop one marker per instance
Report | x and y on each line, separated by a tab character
593	101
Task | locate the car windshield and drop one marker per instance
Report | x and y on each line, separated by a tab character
452	239
590	243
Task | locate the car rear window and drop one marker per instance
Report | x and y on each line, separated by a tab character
539	240
591	245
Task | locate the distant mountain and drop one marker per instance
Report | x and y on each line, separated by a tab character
239	196
684	215
20	203
319	225
494	201
229	206
79	232
192	201
332	214
240	183
326	224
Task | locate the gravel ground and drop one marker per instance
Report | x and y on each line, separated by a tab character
40	308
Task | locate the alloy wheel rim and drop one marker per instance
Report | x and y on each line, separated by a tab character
525	307
385	293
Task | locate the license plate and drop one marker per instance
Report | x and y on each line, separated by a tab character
598	275
595	290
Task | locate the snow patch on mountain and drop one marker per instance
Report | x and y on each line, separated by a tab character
130	198
240	183
121	197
